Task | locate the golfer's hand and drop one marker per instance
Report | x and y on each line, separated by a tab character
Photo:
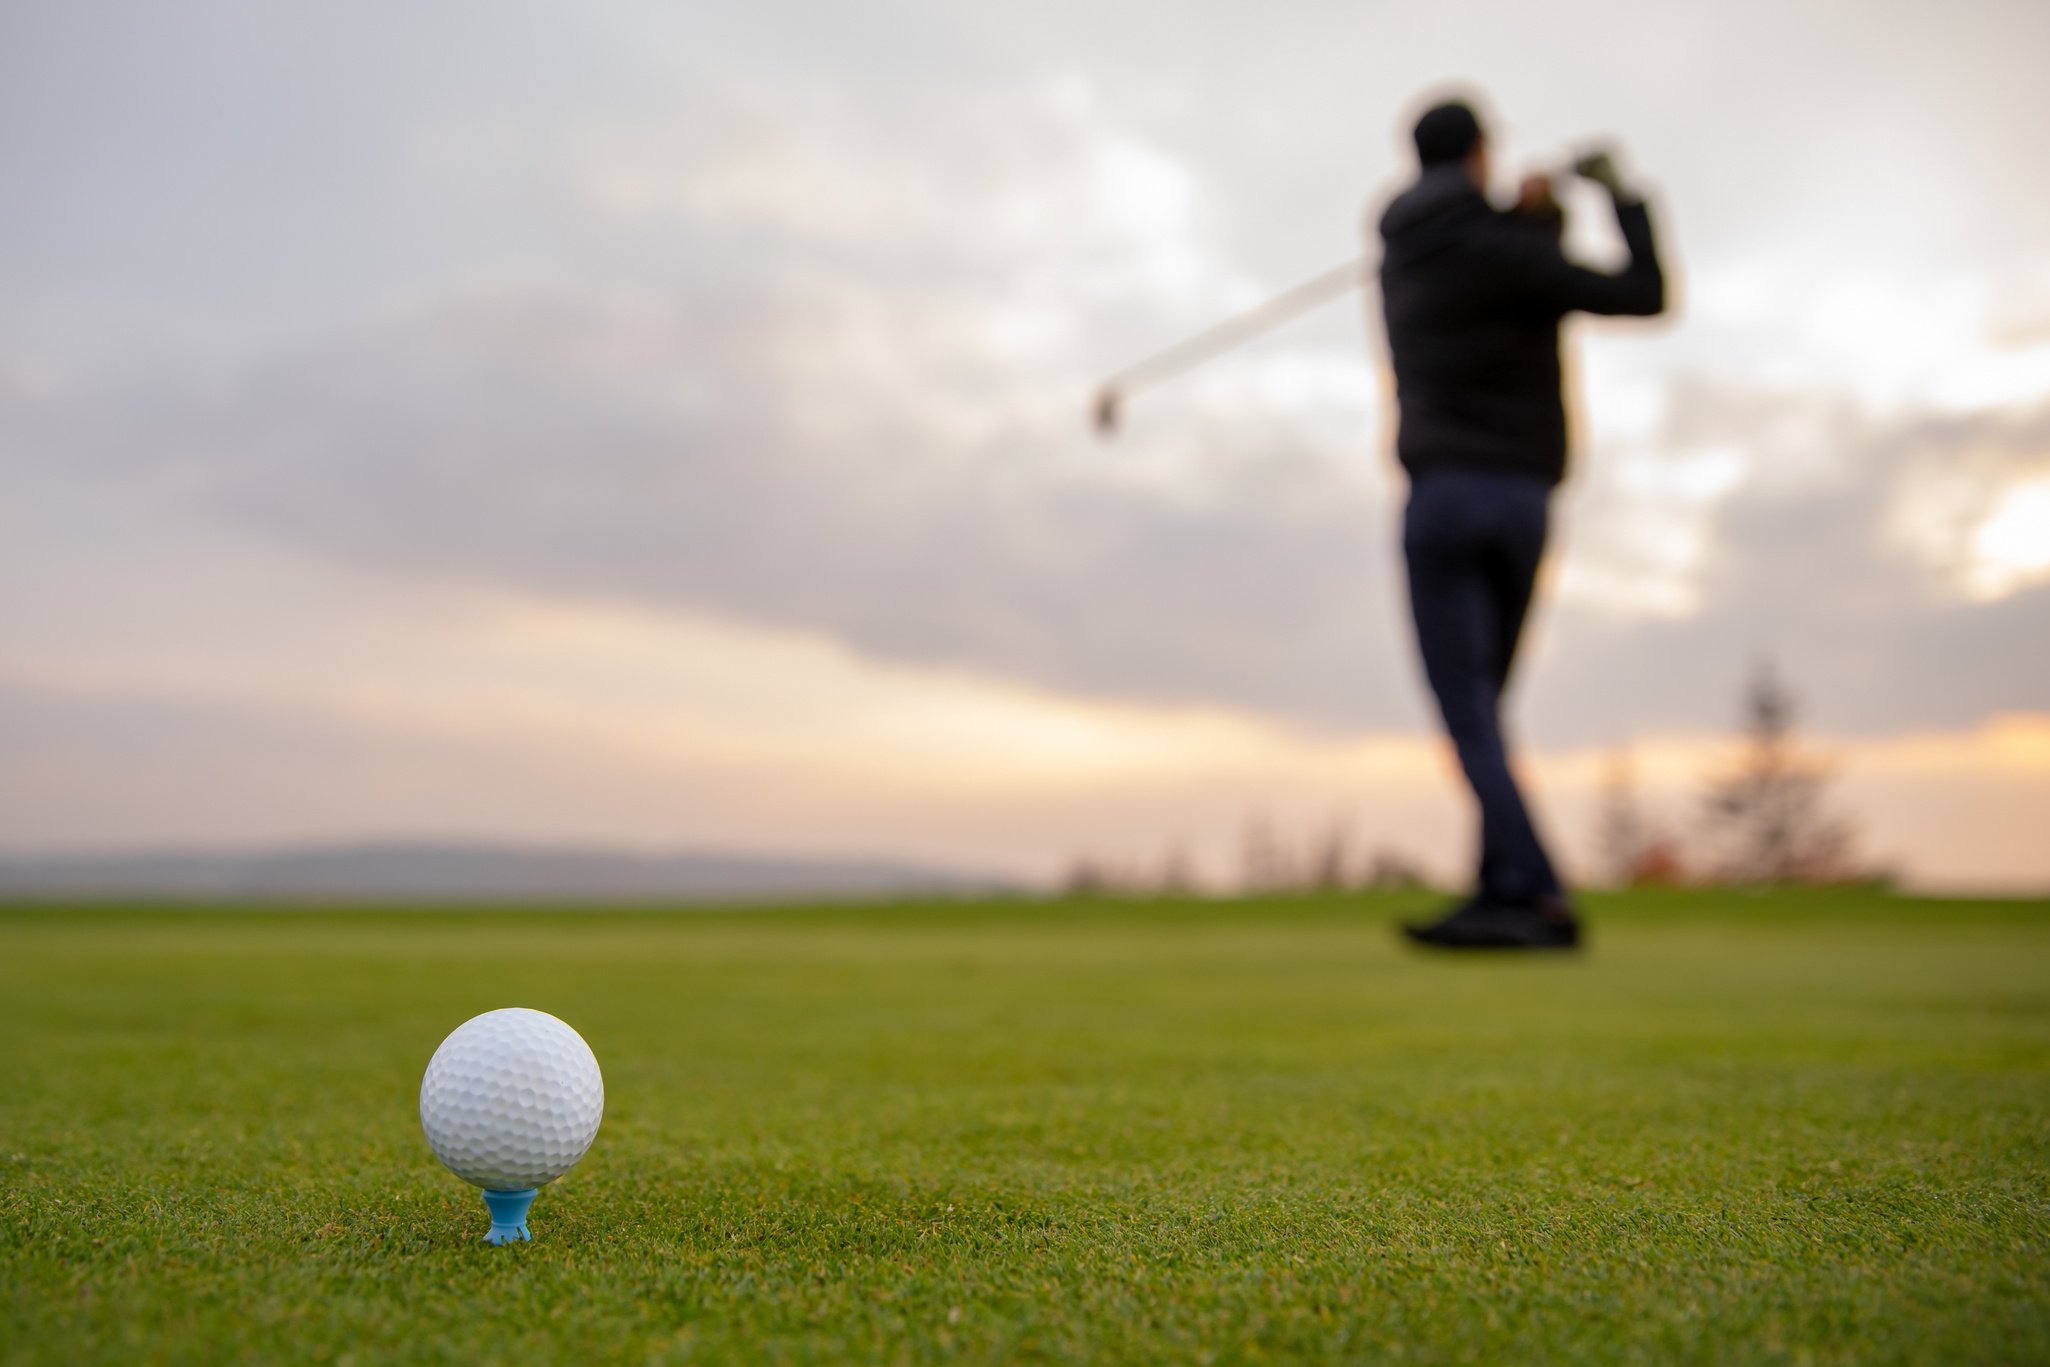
1535	197
1598	164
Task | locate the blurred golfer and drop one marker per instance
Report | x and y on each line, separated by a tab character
1472	298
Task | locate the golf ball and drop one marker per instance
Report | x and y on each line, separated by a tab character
511	1099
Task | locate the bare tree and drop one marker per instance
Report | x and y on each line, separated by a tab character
1767	816
1393	871
1621	832
1178	873
1088	877
1266	864
1636	849
1330	865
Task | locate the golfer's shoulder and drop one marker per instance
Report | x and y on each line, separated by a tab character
1507	242
1429	210
1426	236
1515	233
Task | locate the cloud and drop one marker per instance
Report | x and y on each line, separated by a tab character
640	449
860	414
1846	549
847	401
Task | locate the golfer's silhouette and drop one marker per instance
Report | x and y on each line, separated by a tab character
1472	297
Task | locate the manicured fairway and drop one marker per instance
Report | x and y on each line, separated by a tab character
1785	1128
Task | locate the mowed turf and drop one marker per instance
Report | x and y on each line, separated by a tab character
1803	1128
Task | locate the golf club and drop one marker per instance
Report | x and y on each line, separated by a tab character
1187	355
1107	408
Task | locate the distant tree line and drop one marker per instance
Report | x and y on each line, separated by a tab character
1764	820
1329	860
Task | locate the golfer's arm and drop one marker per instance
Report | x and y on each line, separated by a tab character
1638	290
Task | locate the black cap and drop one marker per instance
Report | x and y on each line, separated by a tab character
1446	132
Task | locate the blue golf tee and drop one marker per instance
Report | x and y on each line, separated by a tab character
508	1215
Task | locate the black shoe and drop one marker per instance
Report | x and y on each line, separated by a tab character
1487	925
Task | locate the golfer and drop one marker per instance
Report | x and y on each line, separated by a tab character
1472	298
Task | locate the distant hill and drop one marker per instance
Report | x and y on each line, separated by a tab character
431	872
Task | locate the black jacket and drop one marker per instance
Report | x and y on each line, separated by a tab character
1472	299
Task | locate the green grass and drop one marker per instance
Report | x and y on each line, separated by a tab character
1784	1128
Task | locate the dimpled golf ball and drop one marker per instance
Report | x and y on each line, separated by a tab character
511	1099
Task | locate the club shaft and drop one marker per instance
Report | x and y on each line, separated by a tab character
1232	331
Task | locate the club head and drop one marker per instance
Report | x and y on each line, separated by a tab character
1593	160
1105	411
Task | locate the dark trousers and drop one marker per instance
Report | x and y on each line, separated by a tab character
1473	540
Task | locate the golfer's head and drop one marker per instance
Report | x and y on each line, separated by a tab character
1449	134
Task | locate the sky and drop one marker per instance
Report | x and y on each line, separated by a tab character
664	426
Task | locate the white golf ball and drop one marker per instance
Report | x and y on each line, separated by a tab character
511	1099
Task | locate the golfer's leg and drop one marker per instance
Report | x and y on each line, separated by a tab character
1520	865
1455	608
1517	550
